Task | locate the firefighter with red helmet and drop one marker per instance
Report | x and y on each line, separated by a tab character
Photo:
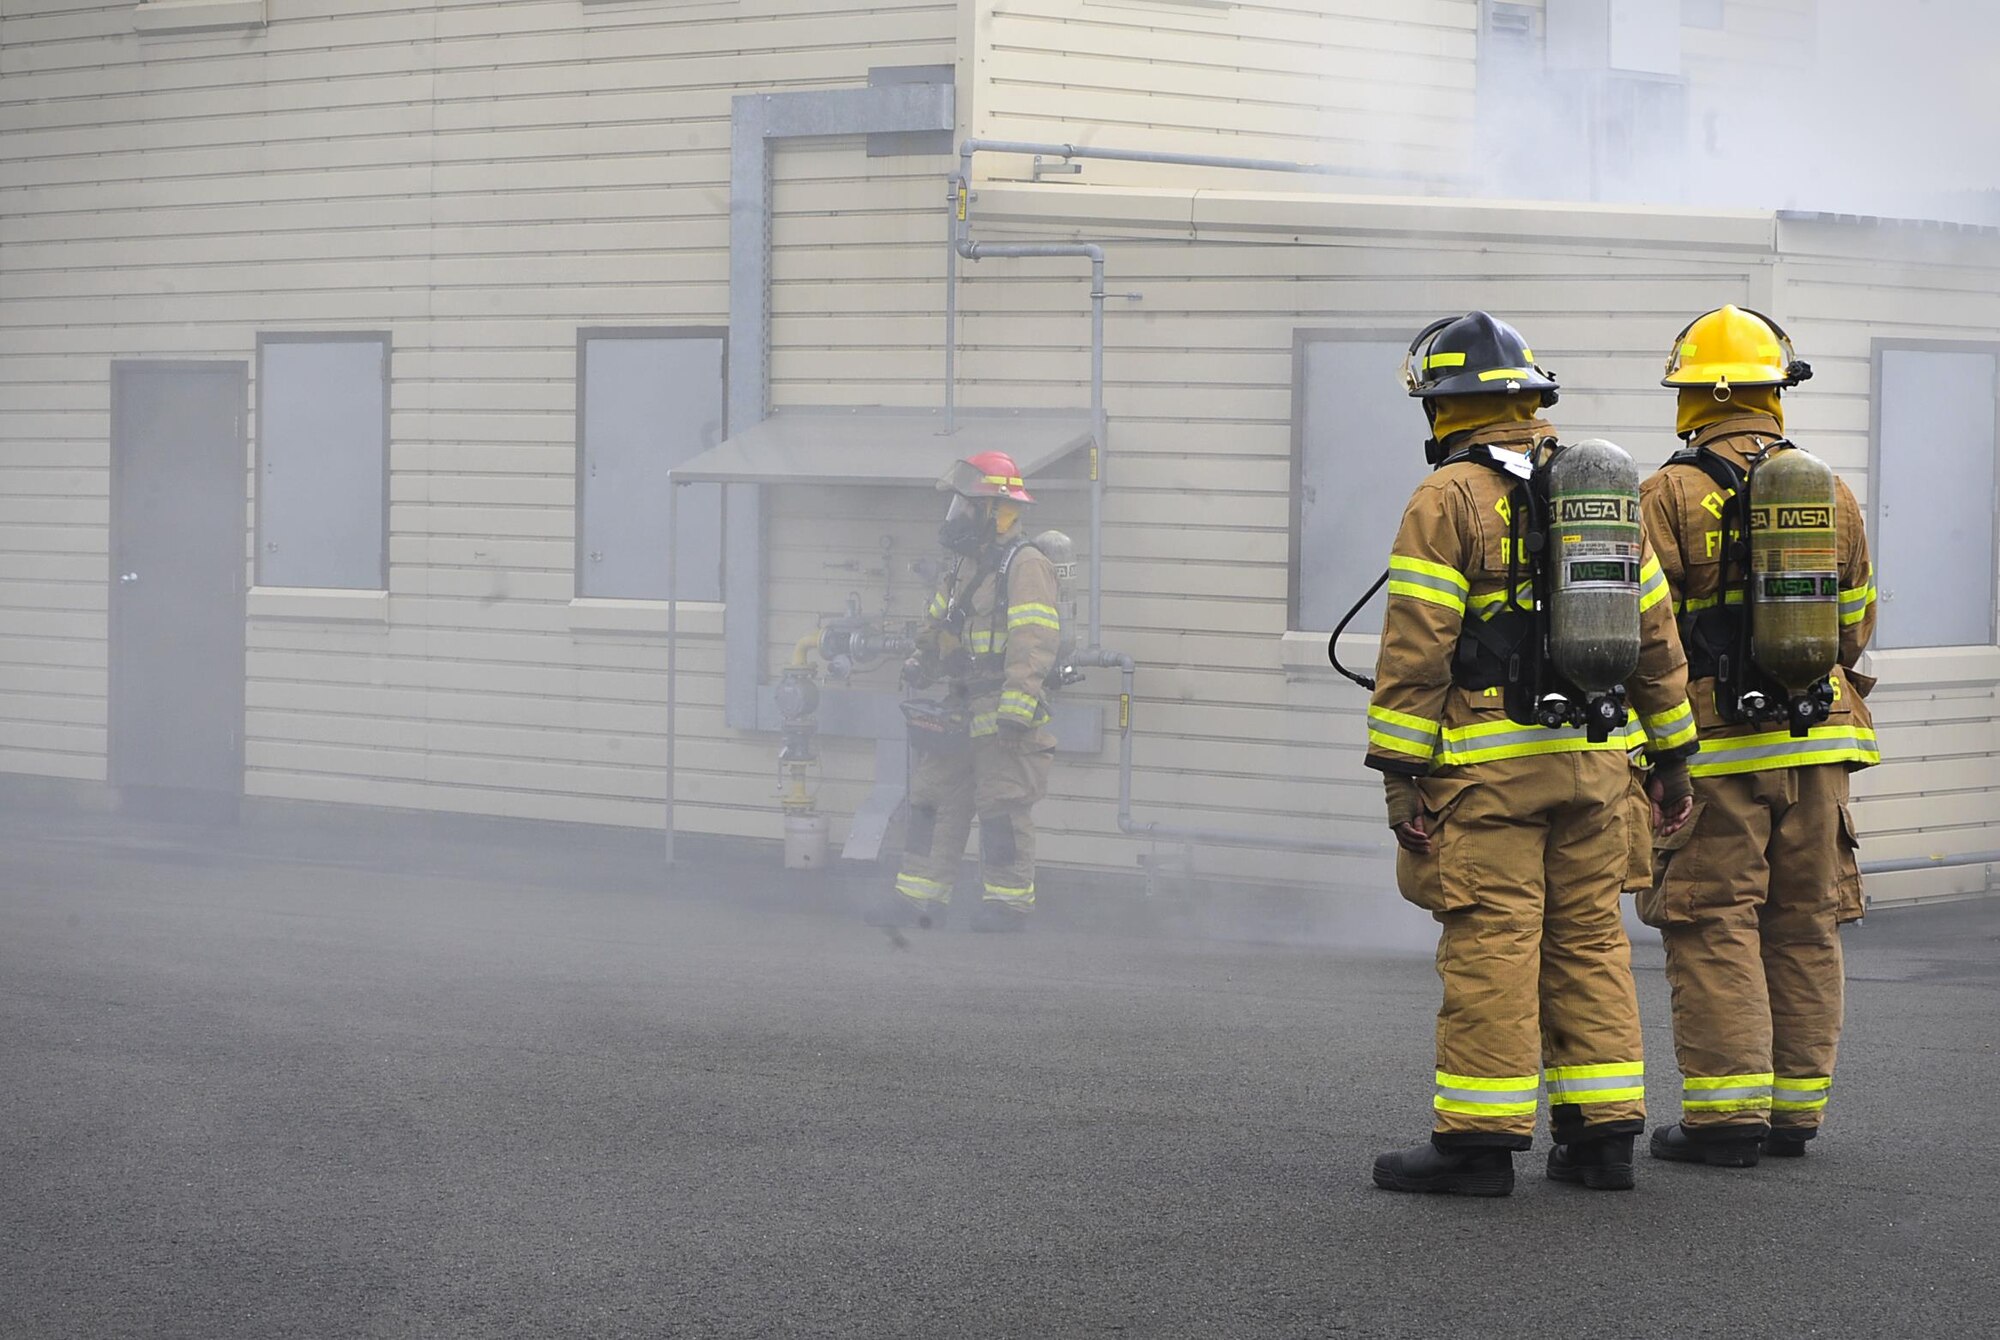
991	637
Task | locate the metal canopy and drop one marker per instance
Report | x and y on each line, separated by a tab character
881	447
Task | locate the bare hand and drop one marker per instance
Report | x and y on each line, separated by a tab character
1413	836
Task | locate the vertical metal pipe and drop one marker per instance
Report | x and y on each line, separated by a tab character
951	312
673	644
1098	450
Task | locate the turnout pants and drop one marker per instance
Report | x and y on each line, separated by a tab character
1524	879
1748	903
996	780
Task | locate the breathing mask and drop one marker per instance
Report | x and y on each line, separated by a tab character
968	527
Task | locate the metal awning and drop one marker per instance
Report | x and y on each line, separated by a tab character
883	447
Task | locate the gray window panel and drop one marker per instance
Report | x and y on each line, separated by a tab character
323	461
1358	455
1933	494
649	402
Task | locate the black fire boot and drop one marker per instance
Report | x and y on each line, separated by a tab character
995	915
1476	1171
896	911
1725	1147
1602	1163
1788	1142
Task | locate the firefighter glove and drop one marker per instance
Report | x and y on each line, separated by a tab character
916	674
1671	777
1405	804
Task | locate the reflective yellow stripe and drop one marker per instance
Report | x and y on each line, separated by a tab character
1444	361
1800	1095
1482	1096
1781	749
1421	579
1605	1082
1006	481
1854	603
1033	616
1726	1093
1446	1078
1488	603
1022	897
1693	604
1506	374
1652	585
1402	733
939	606
1671	729
1018	705
1431	594
1493	740
921	889
985	723
1425	568
981	639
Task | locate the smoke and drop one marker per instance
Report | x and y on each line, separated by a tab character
1851	107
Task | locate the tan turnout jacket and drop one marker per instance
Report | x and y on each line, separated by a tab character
1450	563
1026	634
1683	511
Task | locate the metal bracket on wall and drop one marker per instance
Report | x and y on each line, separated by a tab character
758	121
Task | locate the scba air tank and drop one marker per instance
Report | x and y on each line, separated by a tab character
1794	569
1594	548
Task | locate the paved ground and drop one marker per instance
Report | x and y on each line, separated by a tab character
256	1097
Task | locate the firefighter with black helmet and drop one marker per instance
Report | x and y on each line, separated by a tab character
992	634
1767	562
1527	647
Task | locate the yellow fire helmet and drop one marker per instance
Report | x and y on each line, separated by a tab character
1734	346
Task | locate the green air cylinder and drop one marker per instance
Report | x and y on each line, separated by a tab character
1794	569
1594	546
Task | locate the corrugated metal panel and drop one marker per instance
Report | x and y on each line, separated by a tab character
482	179
1386	90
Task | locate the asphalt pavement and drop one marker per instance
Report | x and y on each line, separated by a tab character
250	1093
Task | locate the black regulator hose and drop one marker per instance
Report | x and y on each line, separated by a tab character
1333	643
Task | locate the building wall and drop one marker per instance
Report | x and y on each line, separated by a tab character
1383	87
481	180
1199	392
484	179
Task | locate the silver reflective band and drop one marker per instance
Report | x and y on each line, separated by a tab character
1811	744
1401	732
1786	1093
1450	588
1589	1082
1489	1095
1725	1095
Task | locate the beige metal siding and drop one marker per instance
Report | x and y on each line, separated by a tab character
481	180
1382	86
1840	287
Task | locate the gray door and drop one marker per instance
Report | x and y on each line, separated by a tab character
178	500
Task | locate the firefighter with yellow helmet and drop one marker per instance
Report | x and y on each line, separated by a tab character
983	750
1767	561
1527	647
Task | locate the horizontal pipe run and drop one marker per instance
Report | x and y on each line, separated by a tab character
1077	151
1930	862
979	251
